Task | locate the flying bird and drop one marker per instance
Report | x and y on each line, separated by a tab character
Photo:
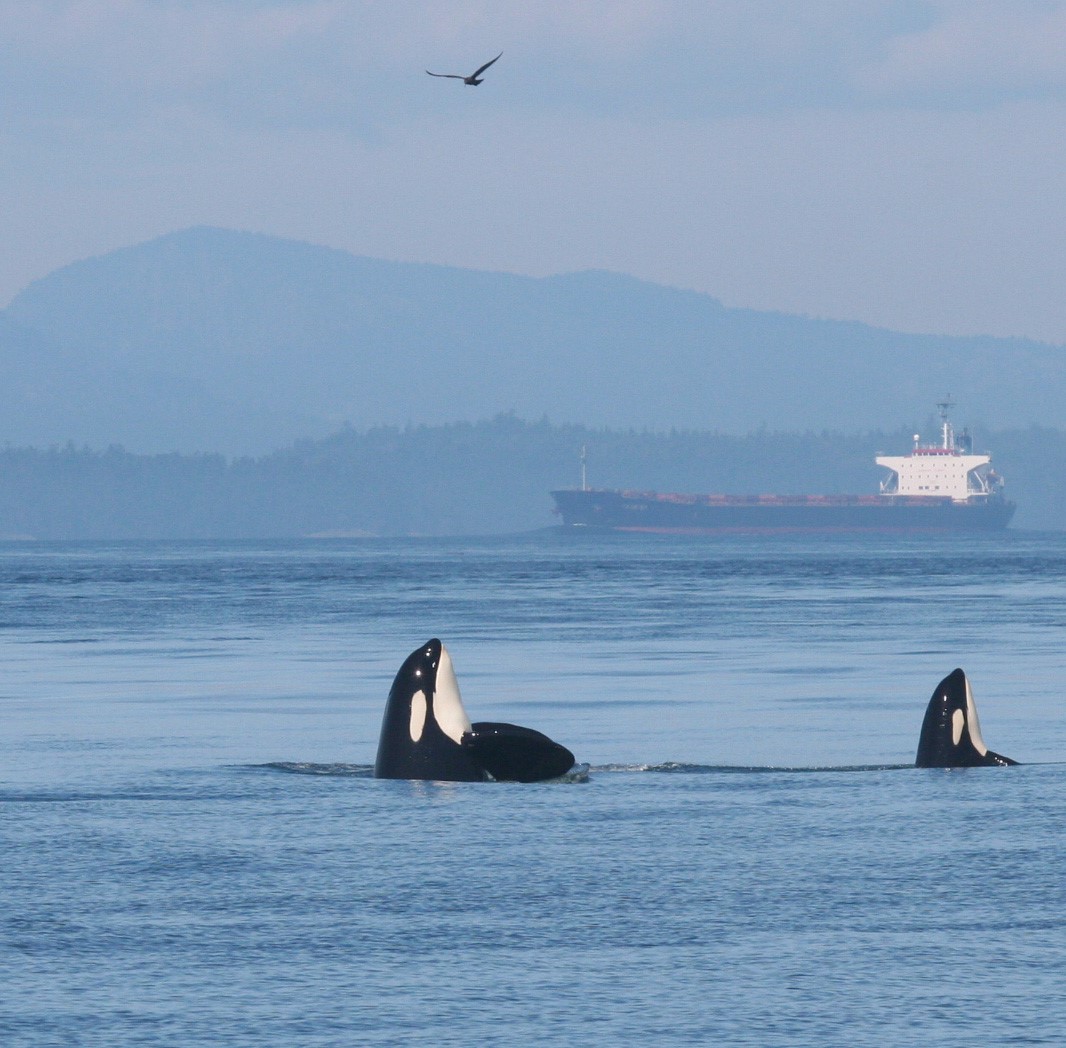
473	79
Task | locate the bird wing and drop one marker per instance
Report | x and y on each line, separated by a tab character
450	76
484	67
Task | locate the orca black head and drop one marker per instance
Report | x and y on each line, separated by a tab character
426	734
951	732
425	721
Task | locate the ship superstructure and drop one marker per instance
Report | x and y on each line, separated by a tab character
948	469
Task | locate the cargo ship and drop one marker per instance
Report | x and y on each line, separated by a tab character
935	487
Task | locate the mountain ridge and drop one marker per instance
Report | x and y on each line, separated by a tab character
208	339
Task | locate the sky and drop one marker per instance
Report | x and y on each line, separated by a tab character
896	162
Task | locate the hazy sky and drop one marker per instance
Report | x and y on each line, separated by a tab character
892	161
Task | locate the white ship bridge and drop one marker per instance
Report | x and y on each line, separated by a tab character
945	470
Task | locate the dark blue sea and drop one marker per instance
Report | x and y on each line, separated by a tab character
195	853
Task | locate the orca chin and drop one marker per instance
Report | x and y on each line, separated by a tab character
426	734
951	732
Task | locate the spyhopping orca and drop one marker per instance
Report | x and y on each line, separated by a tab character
426	734
951	732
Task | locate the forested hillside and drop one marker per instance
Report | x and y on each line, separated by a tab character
465	478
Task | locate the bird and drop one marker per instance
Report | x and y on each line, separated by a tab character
473	79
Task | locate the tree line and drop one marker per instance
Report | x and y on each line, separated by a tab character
486	477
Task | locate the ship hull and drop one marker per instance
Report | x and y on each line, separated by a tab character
708	514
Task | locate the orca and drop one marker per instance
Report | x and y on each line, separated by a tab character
951	732
426	733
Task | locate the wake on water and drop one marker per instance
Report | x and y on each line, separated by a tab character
578	773
582	772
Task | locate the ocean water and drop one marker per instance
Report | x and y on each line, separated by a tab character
195	852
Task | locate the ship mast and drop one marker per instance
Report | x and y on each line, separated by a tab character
948	434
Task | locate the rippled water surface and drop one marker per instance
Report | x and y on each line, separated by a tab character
196	854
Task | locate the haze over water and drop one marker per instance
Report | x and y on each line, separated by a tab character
197	855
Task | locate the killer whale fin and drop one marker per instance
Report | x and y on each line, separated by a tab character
951	732
511	753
